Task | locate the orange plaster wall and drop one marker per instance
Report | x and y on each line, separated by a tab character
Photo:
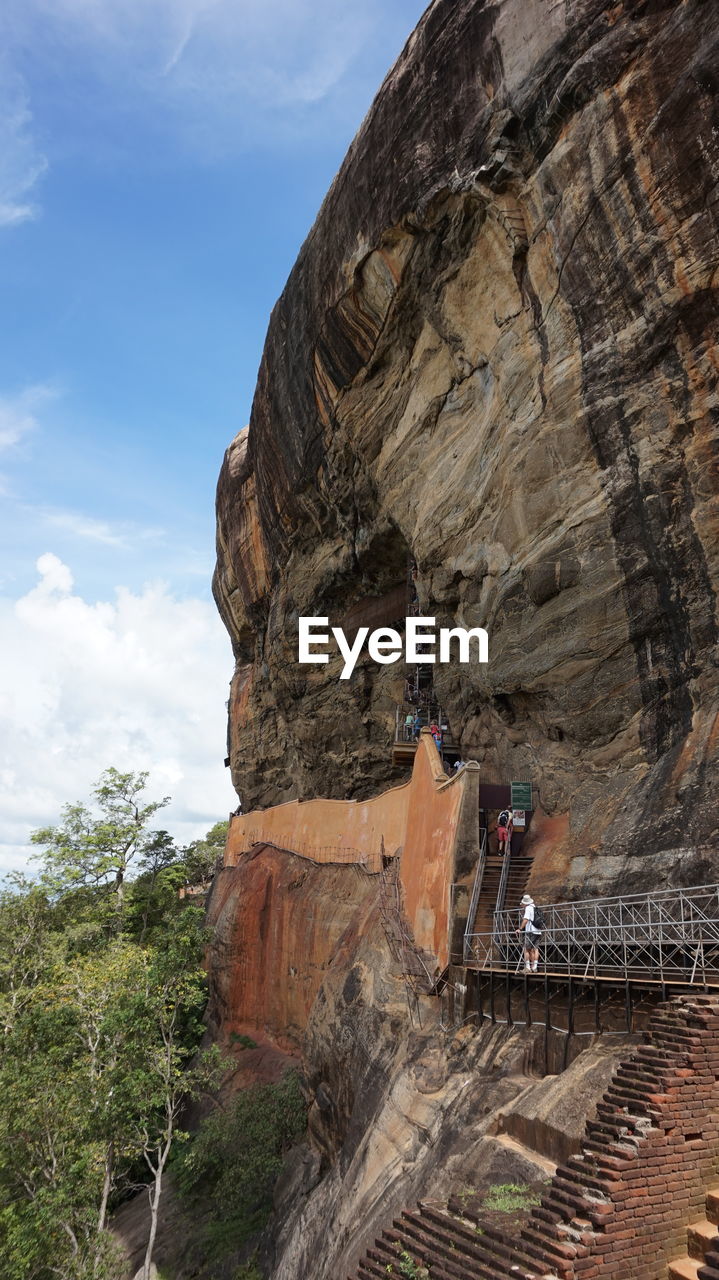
326	830
421	817
428	854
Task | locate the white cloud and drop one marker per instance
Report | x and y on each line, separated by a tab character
139	682
18	413
226	53
81	526
21	163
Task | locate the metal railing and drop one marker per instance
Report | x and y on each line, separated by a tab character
409	732
476	890
502	886
668	936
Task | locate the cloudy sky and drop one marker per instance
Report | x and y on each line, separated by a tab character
160	164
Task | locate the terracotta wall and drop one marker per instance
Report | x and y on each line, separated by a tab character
326	830
422	818
427	867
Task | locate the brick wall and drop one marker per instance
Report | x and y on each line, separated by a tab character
619	1209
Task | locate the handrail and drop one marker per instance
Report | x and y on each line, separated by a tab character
671	935
476	890
502	887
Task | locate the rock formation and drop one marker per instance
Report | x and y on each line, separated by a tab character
494	357
496	354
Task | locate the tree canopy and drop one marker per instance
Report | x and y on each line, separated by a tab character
102	990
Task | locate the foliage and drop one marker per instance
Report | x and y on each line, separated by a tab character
102	991
248	1271
200	857
235	1157
95	850
407	1266
240	1041
510	1197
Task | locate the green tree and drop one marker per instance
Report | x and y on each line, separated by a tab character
200	856
230	1166
163	1026
25	939
50	1158
96	849
155	892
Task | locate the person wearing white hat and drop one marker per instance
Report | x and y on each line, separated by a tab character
531	935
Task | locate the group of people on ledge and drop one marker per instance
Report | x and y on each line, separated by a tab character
413	725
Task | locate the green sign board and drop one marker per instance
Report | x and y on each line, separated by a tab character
521	795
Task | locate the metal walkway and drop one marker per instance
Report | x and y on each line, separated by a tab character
671	936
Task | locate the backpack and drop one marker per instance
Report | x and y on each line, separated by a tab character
539	922
503	818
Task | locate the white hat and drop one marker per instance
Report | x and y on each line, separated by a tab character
526	900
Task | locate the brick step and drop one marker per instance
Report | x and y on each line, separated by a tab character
651	1053
712	1205
444	1227
575	1177
709	1270
483	1251
520	1251
683	1269
699	1236
680	1041
560	1201
550	1217
458	1228
629	1091
435	1256
369	1268
617	1130
641	1106
544	1247
656	1077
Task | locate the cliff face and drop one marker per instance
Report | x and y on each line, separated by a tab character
496	352
276	923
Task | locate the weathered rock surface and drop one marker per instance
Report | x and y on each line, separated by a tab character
277	921
401	1112
496	352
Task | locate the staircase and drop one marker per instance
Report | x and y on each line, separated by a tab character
516	883
616	1209
451	1245
701	1261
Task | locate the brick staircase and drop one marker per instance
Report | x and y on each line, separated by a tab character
701	1261
619	1208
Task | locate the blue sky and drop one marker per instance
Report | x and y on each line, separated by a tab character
161	162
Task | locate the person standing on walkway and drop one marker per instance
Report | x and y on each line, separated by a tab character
532	934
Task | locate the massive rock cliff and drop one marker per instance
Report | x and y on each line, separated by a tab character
494	356
496	353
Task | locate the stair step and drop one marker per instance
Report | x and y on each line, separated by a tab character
428	1252
463	1264
367	1268
712	1205
700	1235
684	1269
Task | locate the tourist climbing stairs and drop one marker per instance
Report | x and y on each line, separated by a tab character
701	1261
